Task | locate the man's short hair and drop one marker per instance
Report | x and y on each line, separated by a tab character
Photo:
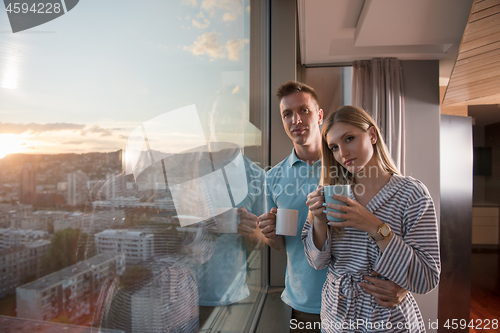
292	87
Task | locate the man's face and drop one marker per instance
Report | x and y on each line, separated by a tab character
301	117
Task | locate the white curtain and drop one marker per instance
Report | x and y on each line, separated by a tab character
377	87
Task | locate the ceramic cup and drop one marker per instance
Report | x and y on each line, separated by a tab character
286	222
329	191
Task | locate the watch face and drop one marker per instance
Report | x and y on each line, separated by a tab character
385	230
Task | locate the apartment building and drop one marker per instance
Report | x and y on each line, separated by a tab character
47	218
13	324
17	237
135	244
73	220
91	223
72	291
17	263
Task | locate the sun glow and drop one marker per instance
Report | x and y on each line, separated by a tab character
10	144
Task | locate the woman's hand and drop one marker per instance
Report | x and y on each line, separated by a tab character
316	216
315	202
356	215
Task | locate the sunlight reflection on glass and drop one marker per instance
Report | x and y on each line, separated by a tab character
9	79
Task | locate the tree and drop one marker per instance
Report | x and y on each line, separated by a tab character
66	249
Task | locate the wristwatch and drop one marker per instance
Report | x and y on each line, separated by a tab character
383	231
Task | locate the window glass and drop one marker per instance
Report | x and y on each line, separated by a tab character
131	163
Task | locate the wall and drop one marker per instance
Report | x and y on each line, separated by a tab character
421	89
327	83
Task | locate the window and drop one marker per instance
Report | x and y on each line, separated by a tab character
131	110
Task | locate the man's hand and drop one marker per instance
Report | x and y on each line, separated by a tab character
267	223
386	293
248	223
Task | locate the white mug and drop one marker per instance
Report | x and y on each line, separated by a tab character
286	222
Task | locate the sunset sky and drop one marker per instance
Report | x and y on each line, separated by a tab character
84	81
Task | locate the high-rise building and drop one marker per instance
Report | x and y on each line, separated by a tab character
77	188
27	190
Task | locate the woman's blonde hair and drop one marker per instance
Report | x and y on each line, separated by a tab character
334	173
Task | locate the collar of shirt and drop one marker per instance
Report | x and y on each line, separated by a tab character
294	159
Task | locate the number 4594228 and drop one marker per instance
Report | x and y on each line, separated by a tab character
36	8
478	324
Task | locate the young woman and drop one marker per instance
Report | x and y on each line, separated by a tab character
390	228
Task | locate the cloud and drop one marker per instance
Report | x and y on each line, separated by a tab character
229	5
207	44
97	129
9	128
191	3
229	16
232	7
203	25
200	15
234	47
72	143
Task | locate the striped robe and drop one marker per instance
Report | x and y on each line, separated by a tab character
411	260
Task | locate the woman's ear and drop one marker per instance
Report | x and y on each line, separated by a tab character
373	134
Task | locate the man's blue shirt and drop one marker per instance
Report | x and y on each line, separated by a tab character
287	186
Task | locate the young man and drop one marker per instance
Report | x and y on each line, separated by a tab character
287	185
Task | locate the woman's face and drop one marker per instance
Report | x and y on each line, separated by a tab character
352	147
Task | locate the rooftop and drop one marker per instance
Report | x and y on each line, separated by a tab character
13	324
70	272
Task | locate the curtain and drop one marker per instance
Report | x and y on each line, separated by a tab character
377	87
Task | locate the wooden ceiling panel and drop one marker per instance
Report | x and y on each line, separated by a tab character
470	67
475	52
486	22
476	74
482	5
486	73
495	52
481	41
481	33
484	13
